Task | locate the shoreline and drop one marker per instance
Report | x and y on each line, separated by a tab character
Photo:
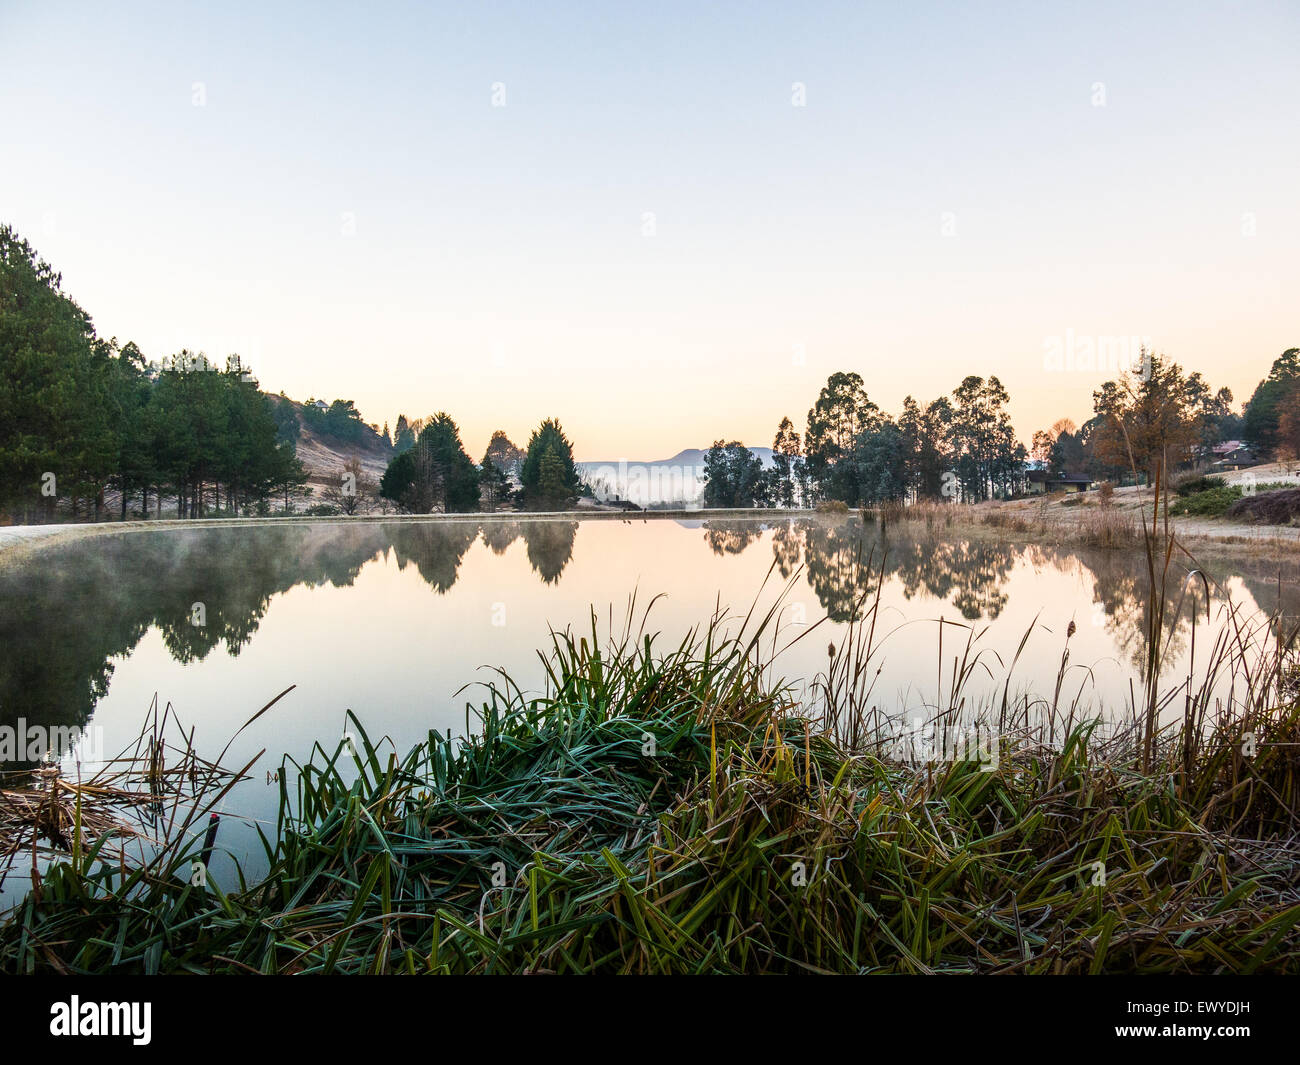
1010	523
21	540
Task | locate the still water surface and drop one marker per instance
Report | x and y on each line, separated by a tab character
393	620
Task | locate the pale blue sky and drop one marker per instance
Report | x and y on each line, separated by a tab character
499	266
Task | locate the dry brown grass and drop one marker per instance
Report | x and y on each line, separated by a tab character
155	784
1097	526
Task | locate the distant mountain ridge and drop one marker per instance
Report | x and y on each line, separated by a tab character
679	479
691	456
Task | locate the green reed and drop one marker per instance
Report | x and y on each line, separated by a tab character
676	809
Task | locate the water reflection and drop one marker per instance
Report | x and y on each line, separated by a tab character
973	576
500	535
69	615
787	546
436	549
840	560
550	546
731	537
843	558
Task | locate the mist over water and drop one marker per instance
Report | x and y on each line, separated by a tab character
394	620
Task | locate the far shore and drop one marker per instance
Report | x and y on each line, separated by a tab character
983	521
16	539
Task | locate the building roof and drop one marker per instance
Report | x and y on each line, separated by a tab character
1044	477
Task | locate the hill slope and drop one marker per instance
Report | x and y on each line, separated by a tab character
323	456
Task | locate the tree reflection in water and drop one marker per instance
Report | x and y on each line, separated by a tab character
731	537
436	549
550	547
498	535
973	575
70	612
842	560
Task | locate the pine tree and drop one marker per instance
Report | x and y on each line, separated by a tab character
435	474
562	475
403	435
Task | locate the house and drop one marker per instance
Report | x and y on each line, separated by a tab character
1233	455
1044	481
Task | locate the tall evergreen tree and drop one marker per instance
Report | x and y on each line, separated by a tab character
503	453
1277	392
287	426
924	442
880	463
552	483
434	475
59	423
987	459
494	487
403	435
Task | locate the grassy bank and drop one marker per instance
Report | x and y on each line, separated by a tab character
1082	526
674	811
1081	521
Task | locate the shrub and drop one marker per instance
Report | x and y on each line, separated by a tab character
1267	508
1207	504
1190	486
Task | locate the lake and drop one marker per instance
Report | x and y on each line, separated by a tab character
393	619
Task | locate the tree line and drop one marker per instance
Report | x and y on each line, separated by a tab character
1156	418
79	413
432	472
959	447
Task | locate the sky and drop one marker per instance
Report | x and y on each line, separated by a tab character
665	223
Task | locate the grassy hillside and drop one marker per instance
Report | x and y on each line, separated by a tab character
323	455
